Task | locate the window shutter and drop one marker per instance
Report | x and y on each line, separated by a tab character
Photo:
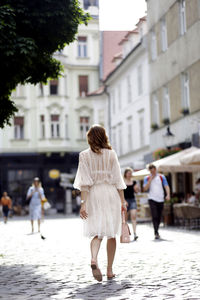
83	85
19	121
54	117
82	39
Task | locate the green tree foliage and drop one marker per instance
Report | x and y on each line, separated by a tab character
30	32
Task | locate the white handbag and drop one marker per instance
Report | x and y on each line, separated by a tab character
47	205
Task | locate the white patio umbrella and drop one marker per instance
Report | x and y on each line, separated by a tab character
191	158
139	175
173	163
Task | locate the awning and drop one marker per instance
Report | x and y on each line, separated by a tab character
173	162
191	158
139	175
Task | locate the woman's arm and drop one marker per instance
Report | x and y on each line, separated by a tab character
30	194
123	202
83	213
136	188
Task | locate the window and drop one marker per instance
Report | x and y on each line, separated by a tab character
163	35
84	127
88	3
42	127
55	126
141	128
19	128
83	86
53	87
139	76
129	89
130	134
41	90
155	110
82	46
66	127
119	97
182	17
166	104
153	45
185	91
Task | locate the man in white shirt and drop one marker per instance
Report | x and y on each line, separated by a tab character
157	185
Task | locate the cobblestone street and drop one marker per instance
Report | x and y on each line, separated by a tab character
58	267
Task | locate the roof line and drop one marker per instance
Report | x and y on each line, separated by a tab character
122	62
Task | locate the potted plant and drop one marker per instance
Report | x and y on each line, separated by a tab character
154	126
185	111
166	121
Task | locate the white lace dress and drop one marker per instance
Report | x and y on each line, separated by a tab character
100	175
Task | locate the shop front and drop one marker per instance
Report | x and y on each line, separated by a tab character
18	170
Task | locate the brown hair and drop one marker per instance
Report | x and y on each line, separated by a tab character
151	166
97	139
127	170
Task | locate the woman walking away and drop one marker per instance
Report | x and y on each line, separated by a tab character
6	203
129	195
35	194
102	198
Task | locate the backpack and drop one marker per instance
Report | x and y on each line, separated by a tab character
161	178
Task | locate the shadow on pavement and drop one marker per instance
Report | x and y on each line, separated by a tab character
22	282
102	291
162	240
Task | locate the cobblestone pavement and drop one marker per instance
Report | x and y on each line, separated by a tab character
58	267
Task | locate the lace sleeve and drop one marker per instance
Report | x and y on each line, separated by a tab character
118	180
83	180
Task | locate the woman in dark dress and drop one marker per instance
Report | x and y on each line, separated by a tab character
129	194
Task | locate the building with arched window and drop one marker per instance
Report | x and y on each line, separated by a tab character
52	120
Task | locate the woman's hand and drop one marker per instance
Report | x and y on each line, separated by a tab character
124	206
83	213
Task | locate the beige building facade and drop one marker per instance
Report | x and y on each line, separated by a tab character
174	62
174	65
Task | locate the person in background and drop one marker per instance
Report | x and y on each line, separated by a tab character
155	185
129	195
35	194
191	199
197	191
6	203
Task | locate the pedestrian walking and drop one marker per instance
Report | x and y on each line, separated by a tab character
6	203
129	194
102	198
156	184
35	195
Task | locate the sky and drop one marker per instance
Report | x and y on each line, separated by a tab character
120	14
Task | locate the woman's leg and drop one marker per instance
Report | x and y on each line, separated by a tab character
111	249
32	226
127	215
133	213
38	225
95	246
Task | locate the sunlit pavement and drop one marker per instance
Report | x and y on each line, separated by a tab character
58	267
